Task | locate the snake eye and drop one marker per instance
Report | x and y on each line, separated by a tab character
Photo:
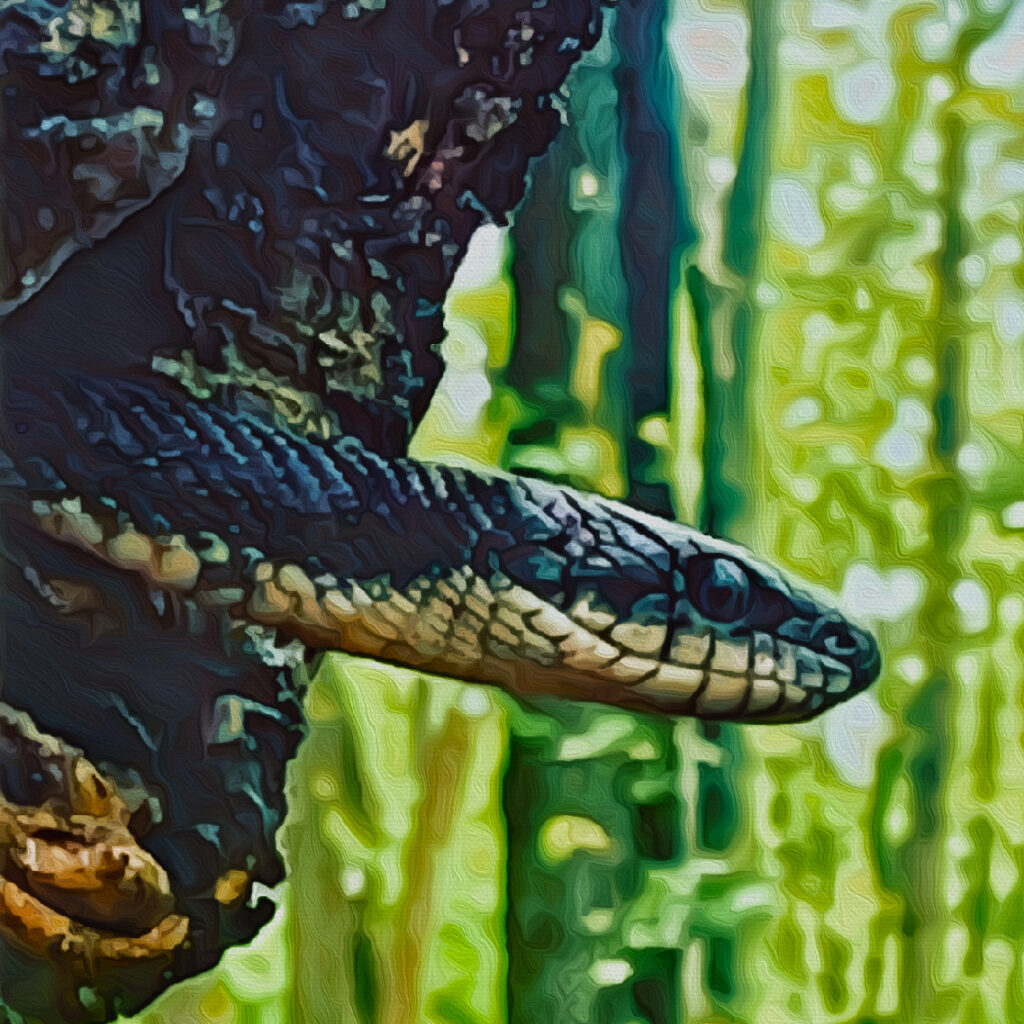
719	588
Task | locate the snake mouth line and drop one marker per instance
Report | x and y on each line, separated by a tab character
464	626
760	678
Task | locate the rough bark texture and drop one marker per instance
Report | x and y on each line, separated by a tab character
289	187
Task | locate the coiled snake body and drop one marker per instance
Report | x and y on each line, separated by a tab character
230	230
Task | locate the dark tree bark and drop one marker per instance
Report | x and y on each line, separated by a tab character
290	187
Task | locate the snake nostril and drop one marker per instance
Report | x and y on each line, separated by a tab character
837	638
834	635
719	588
844	649
841	644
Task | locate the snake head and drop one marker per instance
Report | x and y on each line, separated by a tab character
763	650
659	616
549	592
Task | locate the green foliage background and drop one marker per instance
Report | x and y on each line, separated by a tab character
771	277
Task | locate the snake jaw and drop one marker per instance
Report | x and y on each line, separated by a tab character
493	630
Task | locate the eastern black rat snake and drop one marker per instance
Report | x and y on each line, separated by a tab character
230	228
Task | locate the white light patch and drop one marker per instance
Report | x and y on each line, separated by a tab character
754	897
926	148
940	88
794	213
588	185
973	460
973	604
830	14
932	37
912	668
900	450
1011	611
864	169
484	258
998	62
610	972
711	51
1006	251
889	597
475	702
1013	516
864	93
854	734
902	447
801	412
1008	319
973	270
982	151
721	170
847	197
919	370
598	921
353	882
465	389
1010	176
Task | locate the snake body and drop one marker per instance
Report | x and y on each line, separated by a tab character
231	229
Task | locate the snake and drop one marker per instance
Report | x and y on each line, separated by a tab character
230	227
